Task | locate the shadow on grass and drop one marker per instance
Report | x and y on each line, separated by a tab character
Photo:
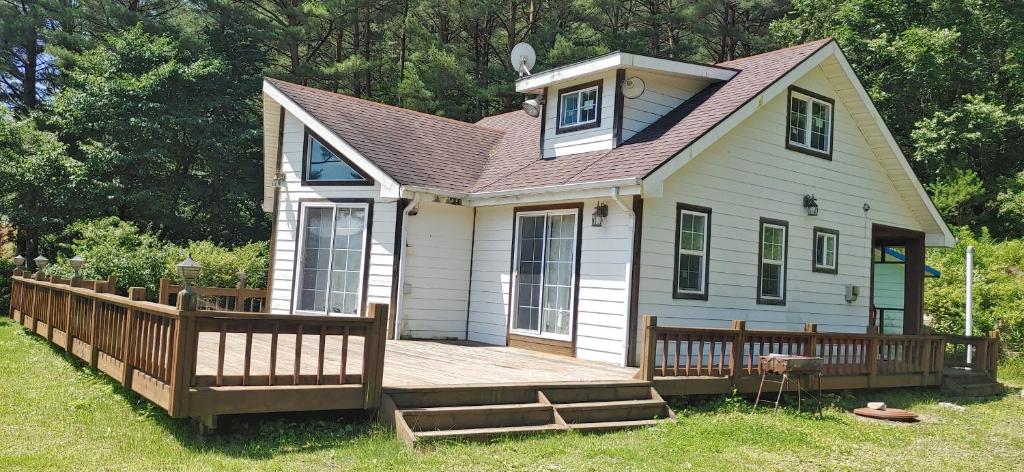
253	436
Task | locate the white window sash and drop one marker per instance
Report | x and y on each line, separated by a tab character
579	107
820	259
811	101
781	262
539	332
692	252
330	262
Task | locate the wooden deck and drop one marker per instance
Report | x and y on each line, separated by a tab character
409	363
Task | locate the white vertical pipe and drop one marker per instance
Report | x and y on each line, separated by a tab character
970	299
630	224
402	242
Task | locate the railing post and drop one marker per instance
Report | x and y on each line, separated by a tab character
812	340
872	354
68	339
163	296
127	342
186	342
926	359
50	315
738	342
373	361
94	349
993	353
649	355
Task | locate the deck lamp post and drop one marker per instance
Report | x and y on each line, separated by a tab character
41	263
189	271
811	205
19	262
76	264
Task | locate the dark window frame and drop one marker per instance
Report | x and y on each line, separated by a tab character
785	261
831	123
814	250
559	129
676	293
309	134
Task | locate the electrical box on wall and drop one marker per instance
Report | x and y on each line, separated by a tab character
852	292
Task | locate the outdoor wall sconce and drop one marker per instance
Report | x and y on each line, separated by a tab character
189	271
811	205
278	181
600	213
76	265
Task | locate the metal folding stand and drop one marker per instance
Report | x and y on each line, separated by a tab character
796	371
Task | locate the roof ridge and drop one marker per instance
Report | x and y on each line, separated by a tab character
386	105
824	40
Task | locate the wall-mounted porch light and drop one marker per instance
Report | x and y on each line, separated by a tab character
600	213
811	205
278	181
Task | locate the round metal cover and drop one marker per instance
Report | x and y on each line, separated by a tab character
889	414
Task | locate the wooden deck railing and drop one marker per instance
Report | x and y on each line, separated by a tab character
237	298
156	349
729	358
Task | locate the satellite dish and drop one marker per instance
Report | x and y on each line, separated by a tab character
633	87
523	58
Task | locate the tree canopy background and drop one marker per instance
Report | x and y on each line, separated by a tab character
150	110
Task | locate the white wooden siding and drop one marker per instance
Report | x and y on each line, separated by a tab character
748	174
661	94
593	139
601	310
438	254
286	225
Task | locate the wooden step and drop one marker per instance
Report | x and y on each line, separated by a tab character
611	411
973	389
477	416
580	394
614	425
482	434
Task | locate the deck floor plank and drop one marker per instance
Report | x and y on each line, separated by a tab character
408	363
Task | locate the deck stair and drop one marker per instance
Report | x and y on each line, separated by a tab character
488	411
967	383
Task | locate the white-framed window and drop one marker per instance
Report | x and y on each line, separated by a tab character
771	272
693	238
332	255
810	123
826	250
579	107
545	273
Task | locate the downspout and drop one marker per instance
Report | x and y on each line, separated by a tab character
628	280
410	210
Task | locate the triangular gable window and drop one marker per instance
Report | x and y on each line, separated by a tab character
326	165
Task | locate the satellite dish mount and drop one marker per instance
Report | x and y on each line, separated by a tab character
523	58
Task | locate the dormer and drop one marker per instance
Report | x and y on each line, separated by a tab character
585	108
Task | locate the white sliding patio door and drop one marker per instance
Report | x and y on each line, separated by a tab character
331	256
545	273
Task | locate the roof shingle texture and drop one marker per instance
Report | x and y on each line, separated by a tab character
502	152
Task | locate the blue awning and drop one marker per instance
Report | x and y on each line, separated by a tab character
929	271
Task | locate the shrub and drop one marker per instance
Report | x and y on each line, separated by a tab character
998	287
221	265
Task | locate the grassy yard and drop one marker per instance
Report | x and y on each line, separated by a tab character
56	414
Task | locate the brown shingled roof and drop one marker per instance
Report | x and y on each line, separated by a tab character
501	152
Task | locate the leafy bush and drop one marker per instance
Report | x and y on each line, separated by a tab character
137	258
998	287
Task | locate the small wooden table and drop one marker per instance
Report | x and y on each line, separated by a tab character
795	371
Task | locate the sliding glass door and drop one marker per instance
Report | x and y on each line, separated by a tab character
333	242
545	273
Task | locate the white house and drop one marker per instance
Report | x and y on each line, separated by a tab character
764	189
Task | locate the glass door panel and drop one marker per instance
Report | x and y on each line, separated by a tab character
545	273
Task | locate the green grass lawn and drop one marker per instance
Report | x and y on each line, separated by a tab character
57	414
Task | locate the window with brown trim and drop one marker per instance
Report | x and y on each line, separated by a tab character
825	256
771	267
579	107
324	165
810	124
693	243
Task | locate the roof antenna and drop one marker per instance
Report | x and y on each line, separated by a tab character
523	58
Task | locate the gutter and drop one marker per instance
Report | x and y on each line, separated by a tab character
409	209
558	188
627	286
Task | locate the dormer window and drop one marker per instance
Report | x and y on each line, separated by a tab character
810	123
579	107
324	165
